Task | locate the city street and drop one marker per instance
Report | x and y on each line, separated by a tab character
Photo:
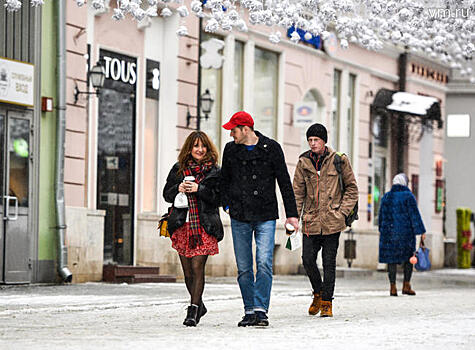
150	316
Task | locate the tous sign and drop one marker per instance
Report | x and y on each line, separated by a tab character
118	69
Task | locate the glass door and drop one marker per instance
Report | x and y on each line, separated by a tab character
116	157
16	163
115	173
379	183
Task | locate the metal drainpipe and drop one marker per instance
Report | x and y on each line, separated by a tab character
63	270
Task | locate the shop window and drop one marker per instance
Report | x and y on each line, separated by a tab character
379	130
211	79
314	99
379	183
266	71
381	159
351	115
336	103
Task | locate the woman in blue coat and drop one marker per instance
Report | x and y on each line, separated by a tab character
399	223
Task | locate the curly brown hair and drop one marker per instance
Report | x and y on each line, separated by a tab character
185	154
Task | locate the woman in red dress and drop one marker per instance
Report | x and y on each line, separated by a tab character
195	231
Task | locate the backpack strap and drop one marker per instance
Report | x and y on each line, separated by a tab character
337	161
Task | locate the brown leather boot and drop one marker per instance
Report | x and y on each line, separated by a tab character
393	290
315	306
406	289
326	309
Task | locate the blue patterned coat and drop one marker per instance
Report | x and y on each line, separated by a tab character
399	223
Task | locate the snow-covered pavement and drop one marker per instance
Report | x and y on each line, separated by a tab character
150	316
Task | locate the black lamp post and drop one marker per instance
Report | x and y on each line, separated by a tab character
206	105
96	76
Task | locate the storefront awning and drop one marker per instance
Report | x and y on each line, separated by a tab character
428	108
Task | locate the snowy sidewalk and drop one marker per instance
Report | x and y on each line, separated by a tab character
150	316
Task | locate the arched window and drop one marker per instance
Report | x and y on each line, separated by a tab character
312	96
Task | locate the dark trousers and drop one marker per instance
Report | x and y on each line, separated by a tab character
311	246
407	266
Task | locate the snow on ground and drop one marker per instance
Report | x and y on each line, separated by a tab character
150	316
460	272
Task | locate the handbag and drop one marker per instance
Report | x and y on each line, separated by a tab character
423	260
163	224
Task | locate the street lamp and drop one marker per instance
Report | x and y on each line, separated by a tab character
96	75
206	105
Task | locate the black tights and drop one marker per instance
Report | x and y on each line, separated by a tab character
407	266
194	271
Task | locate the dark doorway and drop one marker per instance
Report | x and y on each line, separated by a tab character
116	156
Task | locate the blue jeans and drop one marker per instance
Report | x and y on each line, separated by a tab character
255	291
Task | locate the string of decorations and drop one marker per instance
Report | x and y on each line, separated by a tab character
444	30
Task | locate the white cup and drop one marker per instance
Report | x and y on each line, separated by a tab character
289	229
189	178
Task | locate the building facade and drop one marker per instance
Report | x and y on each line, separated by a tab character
460	139
119	161
121	143
20	118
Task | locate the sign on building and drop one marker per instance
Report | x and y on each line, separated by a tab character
152	86
16	82
305	114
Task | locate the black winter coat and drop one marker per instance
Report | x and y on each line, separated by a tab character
248	181
208	198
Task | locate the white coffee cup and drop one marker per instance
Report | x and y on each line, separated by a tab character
189	178
289	228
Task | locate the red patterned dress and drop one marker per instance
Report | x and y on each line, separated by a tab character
181	238
191	239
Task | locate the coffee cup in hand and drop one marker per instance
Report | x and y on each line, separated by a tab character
189	178
289	229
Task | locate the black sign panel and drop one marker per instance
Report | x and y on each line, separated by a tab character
152	86
121	71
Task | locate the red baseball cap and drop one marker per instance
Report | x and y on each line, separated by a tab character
239	118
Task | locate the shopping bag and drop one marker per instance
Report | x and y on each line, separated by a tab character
294	241
181	201
423	261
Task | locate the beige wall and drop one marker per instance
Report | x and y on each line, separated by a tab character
75	167
85	242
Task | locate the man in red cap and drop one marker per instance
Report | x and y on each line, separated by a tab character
251	166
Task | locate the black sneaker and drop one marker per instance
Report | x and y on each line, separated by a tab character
248	320
261	319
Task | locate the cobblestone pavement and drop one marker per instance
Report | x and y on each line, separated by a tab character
150	316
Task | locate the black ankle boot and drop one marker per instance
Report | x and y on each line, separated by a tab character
201	312
191	316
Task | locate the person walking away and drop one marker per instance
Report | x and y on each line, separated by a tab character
251	165
324	209
399	222
195	231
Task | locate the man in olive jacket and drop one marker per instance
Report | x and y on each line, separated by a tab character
251	166
323	209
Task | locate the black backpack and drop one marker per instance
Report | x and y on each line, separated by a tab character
354	212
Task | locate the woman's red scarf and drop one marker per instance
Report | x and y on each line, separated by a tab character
199	171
